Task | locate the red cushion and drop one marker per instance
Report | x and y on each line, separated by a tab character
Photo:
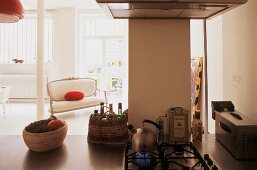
74	95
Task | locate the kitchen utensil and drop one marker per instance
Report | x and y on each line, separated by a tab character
144	139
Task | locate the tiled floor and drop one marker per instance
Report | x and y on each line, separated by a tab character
18	115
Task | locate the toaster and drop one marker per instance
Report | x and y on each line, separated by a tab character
237	133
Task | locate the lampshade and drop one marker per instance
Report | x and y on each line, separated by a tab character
10	11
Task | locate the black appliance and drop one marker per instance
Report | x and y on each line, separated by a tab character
221	106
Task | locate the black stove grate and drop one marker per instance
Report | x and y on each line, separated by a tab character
167	156
185	152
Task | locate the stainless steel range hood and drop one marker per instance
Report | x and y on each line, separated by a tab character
168	9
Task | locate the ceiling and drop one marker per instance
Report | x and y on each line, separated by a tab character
55	4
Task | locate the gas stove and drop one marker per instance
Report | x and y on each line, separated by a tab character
144	160
176	156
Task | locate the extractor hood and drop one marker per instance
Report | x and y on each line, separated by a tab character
168	9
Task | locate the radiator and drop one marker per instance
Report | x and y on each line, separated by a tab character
23	86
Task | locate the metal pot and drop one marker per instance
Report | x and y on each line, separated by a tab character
144	139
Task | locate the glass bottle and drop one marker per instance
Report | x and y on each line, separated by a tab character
110	108
119	108
96	112
101	108
197	127
160	122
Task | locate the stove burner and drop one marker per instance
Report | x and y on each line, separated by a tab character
144	159
167	157
179	150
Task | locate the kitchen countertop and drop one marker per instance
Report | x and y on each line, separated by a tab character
77	153
226	161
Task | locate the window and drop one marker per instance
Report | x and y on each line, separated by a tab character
19	40
103	55
103	61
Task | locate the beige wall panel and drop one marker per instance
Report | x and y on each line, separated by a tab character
240	57
159	67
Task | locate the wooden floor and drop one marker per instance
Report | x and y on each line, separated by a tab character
18	115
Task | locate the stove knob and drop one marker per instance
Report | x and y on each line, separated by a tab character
206	156
209	162
215	167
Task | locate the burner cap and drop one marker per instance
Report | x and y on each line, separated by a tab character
144	159
179	150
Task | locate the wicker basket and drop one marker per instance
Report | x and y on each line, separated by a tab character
41	142
110	129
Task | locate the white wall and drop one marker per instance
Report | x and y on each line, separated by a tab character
196	38
159	68
65	43
240	57
214	65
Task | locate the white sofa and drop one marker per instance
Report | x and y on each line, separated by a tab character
58	88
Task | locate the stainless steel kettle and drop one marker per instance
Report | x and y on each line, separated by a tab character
144	139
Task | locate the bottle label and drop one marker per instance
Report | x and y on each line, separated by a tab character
179	127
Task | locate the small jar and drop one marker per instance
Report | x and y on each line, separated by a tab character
197	127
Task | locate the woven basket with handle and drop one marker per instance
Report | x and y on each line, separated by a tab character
108	128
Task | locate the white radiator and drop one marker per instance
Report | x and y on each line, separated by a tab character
23	86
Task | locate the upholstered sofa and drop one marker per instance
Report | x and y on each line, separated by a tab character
58	88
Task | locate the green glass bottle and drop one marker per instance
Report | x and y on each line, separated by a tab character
101	108
119	109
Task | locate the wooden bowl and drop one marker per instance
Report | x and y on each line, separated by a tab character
41	142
